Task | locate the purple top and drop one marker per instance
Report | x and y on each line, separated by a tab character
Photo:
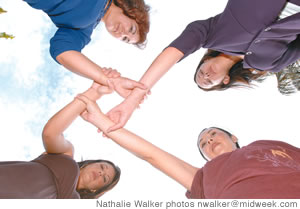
250	28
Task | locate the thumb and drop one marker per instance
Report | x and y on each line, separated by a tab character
114	127
120	124
84	114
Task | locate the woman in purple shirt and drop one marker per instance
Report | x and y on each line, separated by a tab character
247	30
76	19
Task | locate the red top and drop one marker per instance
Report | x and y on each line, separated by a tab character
262	170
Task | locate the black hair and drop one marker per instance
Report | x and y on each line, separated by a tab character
88	194
239	76
226	132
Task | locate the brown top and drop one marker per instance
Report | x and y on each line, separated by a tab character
261	170
47	177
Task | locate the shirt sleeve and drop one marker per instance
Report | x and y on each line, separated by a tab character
193	37
197	187
66	39
65	172
290	56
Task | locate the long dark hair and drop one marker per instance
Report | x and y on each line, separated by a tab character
239	76
138	11
226	132
88	194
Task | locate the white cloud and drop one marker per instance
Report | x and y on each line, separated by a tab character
25	51
171	118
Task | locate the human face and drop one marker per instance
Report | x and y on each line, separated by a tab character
214	142
95	176
120	26
212	72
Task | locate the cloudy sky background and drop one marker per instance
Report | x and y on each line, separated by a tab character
34	87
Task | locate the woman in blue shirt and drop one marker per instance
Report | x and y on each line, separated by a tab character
76	19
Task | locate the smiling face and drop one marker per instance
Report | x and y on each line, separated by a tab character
214	142
120	26
95	176
213	71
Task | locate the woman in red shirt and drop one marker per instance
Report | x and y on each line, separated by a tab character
264	169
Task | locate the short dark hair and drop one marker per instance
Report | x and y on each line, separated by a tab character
87	194
138	11
226	132
239	76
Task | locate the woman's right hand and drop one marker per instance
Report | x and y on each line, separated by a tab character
124	86
91	111
110	73
121	114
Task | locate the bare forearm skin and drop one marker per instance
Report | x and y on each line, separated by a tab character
81	65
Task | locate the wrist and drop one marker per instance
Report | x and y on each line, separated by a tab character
92	94
137	95
100	77
132	102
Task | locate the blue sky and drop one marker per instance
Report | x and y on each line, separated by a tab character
34	87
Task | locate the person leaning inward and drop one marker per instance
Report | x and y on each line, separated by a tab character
216	142
263	169
247	31
55	174
126	20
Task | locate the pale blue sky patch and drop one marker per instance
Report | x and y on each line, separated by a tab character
33	87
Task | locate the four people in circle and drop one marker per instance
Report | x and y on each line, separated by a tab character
240	50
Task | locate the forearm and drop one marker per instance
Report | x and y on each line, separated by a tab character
59	122
52	135
161	65
81	65
175	168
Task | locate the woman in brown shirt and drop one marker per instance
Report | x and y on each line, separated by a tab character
55	174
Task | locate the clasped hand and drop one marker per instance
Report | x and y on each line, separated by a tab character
123	86
92	109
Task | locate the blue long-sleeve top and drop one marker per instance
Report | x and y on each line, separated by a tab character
75	20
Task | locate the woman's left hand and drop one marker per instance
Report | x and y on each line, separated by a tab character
124	86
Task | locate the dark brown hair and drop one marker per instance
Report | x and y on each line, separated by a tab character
138	11
239	76
226	132
88	194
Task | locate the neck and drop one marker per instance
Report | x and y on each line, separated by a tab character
234	59
228	61
79	183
